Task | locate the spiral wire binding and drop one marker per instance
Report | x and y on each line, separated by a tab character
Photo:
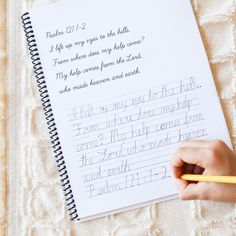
38	70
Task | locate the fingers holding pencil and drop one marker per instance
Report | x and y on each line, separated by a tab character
207	158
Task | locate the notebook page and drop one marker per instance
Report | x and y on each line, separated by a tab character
128	81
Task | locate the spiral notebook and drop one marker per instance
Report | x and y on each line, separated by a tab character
122	83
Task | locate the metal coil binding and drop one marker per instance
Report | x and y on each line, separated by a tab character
38	70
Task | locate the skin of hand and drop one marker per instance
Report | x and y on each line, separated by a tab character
208	158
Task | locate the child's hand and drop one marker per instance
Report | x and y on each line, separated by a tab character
208	158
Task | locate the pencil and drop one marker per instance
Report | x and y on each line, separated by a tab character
208	178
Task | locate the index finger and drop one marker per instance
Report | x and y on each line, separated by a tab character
189	155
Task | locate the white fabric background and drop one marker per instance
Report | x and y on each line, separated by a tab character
31	200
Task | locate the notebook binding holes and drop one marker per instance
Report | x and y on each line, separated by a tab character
38	70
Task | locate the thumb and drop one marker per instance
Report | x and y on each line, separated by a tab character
190	191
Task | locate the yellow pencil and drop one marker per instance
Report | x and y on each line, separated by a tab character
209	178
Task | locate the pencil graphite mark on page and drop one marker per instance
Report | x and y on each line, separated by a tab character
116	140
